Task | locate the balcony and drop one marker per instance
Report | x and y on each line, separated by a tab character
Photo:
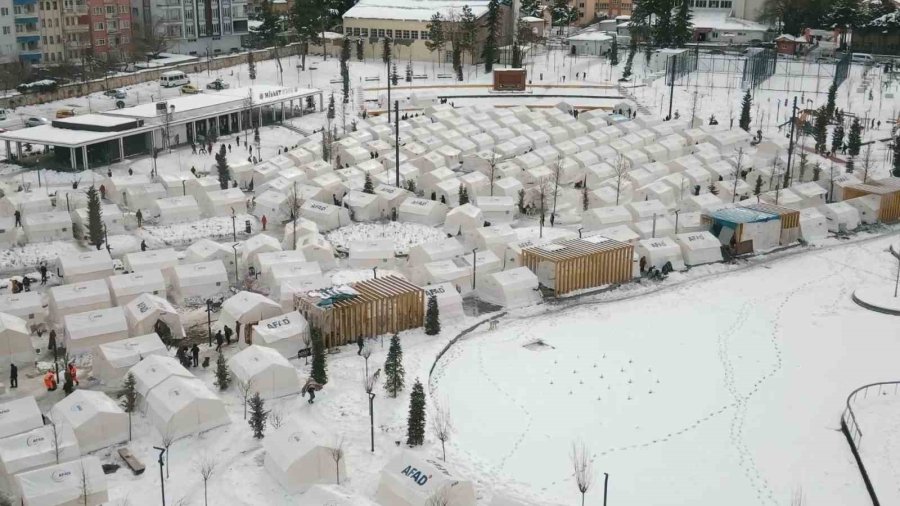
78	10
79	28
26	19
30	56
28	39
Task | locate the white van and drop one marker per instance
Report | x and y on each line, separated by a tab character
862	58
173	78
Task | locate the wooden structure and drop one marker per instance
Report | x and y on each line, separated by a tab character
790	221
509	80
366	309
575	264
888	193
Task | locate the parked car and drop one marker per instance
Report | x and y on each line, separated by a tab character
218	84
65	113
189	89
2	114
35	121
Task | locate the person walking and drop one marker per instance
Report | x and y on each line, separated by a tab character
68	384
195	354
26	283
140	217
43	270
13	376
143	245
310	387
219	340
18	215
73	371
228	334
359	345
51	342
50	381
264	221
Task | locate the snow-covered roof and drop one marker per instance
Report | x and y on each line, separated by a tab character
229	99
19	415
412	10
591	37
720	20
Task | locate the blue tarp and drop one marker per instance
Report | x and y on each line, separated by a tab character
732	217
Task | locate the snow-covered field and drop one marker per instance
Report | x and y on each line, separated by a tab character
404	235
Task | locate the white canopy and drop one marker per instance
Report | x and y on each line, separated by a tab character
266	370
95	264
35	449
143	313
510	288
15	342
127	287
298	459
408	479
77	298
64	484
247	308
199	281
153	370
18	416
181	406
85	331
449	301
283	333
699	248
97	420
112	360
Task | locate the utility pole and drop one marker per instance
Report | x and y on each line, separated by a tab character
233	226
396	141
474	264
605	486
236	275
388	68
672	87
791	137
209	317
162	481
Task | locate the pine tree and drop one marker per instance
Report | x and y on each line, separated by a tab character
681	27
129	396
757	189
832	94
436	39
529	8
395	77
258	416
821	130
345	69
223	375
265	34
326	147
614	52
456	53
432	317
251	65
854	140
330	113
409	72
489	53
817	171
222	167
306	19
744	122
95	217
319	370
896	170
393	368
368	187
463	195
468	33
850	165
415	424
521	201
386	50
585	197
632	49
837	138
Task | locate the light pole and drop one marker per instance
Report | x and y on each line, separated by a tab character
605	486
209	320
897	283
396	141
474	264
370	387
236	276
162	482
233	226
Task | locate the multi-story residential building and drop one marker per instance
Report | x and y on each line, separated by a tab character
76	29
110	27
590	10
194	26
52	41
8	46
28	34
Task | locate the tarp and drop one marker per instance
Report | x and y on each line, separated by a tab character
283	333
19	415
181	406
85	331
97	420
112	360
409	479
64	484
266	370
299	459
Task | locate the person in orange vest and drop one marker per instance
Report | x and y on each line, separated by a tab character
50	381
264	221
73	372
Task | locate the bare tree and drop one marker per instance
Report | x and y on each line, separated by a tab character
366	352
149	42
207	468
867	162
337	454
581	464
246	390
737	172
57	439
441	426
85	486
494	159
556	187
307	339
167	439
621	168
276	419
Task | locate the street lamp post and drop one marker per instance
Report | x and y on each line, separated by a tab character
372	419
605	486
897	283
233	226
474	264
209	320
236	276
162	481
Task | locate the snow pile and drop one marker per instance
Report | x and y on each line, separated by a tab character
404	235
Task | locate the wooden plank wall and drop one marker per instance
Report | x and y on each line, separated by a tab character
588	271
889	211
388	315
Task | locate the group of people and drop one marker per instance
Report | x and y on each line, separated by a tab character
188	357
69	383
16	286
223	338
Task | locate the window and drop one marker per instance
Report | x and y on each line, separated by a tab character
17	9
124	39
123	9
98	11
415	35
713	4
700	3
54	5
356	32
380	33
4	11
406	34
6	30
45	39
725	4
56	22
390	33
101	42
99	26
110	9
126	24
348	30
364	32
424	35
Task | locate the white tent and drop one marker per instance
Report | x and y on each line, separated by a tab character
15	342
318	249
111	215
840	216
510	288
25	305
117	185
422	211
599	218
259	243
659	251
206	250
298	460
85	331
867	206
494	238
97	420
35	449
283	333
450	303
309	272
18	416
498	209
152	370
143	313
175	183
266	261
699	248
48	226
266	371
247	308
431	251
369	253
176	210
326	216
222	202
27	202
87	266
78	298
9	232
182	406
199	185
159	259
813	224
64	484
408	479
463	219
391	197
274	205
304	228
142	197
113	360
127	287
198	282
364	206
646	209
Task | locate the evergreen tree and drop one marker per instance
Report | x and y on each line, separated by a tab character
757	189
251	65
850	165
896	170
632	49
129	396
95	218
614	52
223	375
681	27
832	93
817	171
368	187
409	72
802	166
395	77
529	8
345	69
854	140
744	121
821	130
393	368
837	138
326	147
265	34
306	19
330	113
222	167
521	202
432	317
456	52
319	370
463	195
585	197
468	33
415	424
518	59
489	53
386	50
258	416
436	39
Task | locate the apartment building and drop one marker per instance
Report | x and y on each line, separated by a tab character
8	45
76	29
52	41
110	27
194	26
28	34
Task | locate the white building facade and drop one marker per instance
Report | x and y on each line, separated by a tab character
195	26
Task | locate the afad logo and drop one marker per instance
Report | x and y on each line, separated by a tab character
60	476
34	440
416	475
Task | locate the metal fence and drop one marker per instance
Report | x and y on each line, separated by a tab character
680	66
842	68
758	67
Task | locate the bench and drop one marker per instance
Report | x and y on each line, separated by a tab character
133	463
445	76
373	79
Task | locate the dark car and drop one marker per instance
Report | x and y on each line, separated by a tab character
218	84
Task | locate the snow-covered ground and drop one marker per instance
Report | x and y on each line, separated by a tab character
404	235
